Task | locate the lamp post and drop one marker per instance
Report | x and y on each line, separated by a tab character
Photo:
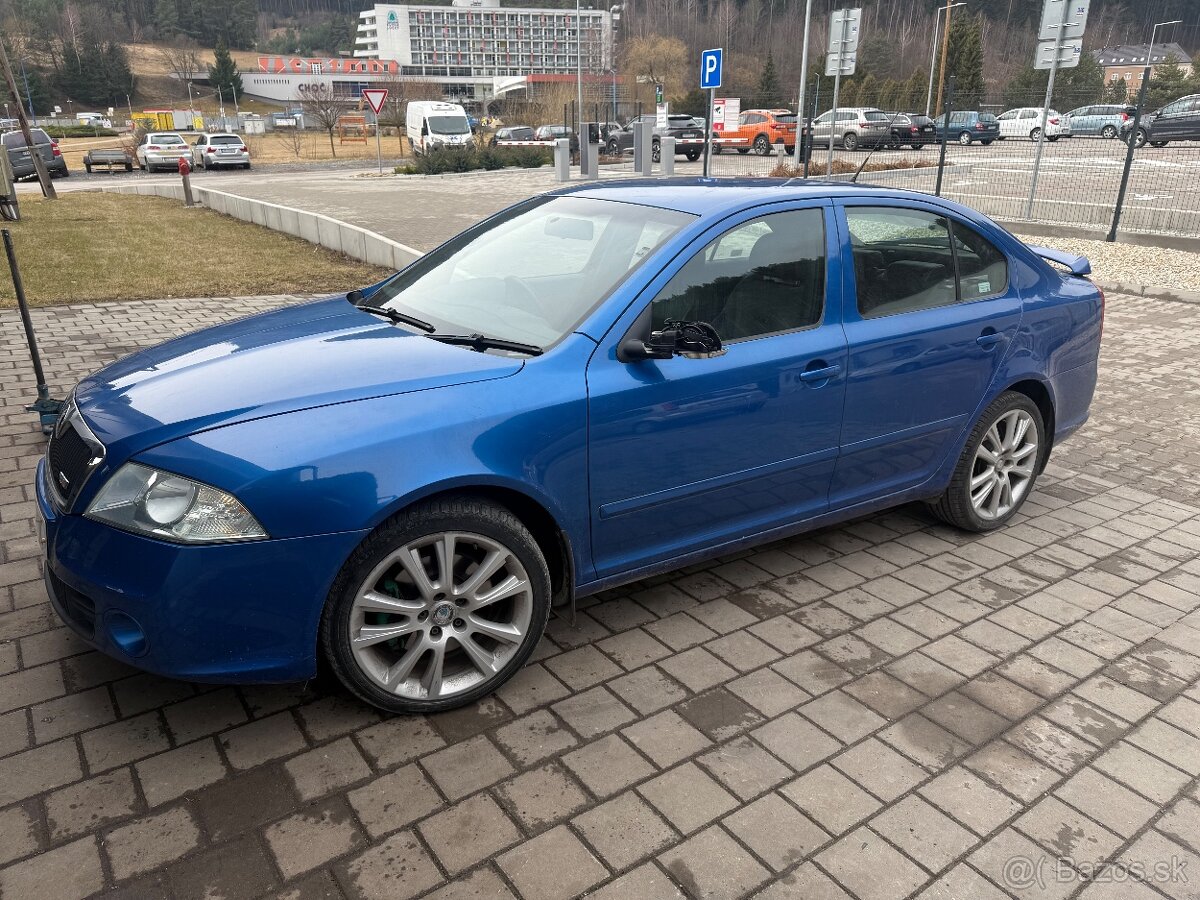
579	68
1133	130
801	128
933	50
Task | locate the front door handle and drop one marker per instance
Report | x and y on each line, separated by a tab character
989	339
821	374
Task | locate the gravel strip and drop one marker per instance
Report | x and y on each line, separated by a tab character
1132	263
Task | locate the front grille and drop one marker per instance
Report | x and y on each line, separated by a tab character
78	608
68	458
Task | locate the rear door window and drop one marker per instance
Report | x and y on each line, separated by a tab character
903	260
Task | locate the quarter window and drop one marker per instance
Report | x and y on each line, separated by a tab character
982	269
762	277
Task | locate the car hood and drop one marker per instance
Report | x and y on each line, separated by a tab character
290	359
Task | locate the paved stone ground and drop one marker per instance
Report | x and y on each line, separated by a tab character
883	709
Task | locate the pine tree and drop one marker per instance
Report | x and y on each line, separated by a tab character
868	91
1168	81
769	95
166	18
916	89
964	60
1116	91
223	74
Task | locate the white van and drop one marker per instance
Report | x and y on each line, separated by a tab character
432	123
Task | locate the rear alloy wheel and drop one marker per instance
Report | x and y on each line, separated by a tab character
1052	137
849	141
437	608
656	151
613	149
1109	131
998	466
762	145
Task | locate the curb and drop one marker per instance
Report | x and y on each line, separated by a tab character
1149	291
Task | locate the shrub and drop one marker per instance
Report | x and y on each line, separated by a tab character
816	168
78	131
441	160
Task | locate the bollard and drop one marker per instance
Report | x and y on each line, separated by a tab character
666	156
646	129
562	159
781	154
590	161
640	150
185	170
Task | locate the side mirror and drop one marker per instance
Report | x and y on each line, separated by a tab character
661	345
424	130
694	340
355	296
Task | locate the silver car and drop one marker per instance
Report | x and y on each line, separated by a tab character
855	127
162	150
212	151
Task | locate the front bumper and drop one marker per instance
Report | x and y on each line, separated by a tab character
232	613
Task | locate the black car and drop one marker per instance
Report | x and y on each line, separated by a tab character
1179	120
912	129
511	133
22	162
680	127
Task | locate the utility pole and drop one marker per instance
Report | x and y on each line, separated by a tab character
945	48
40	167
800	126
933	58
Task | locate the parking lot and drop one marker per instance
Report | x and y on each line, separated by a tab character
884	709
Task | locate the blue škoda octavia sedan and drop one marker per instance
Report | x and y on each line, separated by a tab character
590	387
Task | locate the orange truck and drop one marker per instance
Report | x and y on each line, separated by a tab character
760	130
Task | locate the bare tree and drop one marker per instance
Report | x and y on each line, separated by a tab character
182	62
292	137
322	107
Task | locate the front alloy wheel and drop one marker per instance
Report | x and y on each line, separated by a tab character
964	138
998	466
850	141
438	608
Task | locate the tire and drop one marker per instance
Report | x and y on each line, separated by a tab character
964	138
988	510
1033	135
716	148
87	167
692	155
987	143
431	620
1109	131
849	141
246	166
917	146
762	145
656	151
1158	143
128	167
743	150
1053	137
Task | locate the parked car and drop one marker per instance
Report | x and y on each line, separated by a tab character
403	479
855	127
555	132
1104	119
512	133
968	126
162	150
1027	122
214	151
1178	120
47	149
108	157
760	130
678	126
912	129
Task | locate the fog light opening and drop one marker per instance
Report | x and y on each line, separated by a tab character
126	633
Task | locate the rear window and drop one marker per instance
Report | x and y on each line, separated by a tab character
225	139
987	118
786	120
166	139
17	138
875	116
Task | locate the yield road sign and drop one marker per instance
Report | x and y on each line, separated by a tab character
710	68
375	97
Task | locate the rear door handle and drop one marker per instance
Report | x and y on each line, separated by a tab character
820	374
989	339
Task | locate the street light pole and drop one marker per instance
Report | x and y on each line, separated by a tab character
800	126
1137	119
579	71
933	53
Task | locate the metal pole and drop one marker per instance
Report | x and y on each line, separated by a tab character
28	93
803	84
945	132
933	54
38	165
816	99
1041	141
378	144
945	53
708	130
837	87
46	408
579	62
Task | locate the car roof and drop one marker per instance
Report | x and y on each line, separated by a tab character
707	196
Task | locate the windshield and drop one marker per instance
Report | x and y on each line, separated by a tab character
448	125
532	273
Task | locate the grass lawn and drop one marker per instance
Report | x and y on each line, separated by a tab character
89	246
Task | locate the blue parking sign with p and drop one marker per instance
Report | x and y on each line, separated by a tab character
710	69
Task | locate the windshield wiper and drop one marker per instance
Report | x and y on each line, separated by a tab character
481	342
398	317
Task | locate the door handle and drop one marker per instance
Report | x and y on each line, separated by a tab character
989	339
821	374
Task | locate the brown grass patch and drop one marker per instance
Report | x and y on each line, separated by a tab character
816	168
89	246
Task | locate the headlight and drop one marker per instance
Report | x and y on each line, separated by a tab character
149	501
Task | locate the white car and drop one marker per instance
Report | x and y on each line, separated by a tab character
215	150
1027	122
162	150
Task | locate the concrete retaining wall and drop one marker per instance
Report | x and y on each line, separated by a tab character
312	227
